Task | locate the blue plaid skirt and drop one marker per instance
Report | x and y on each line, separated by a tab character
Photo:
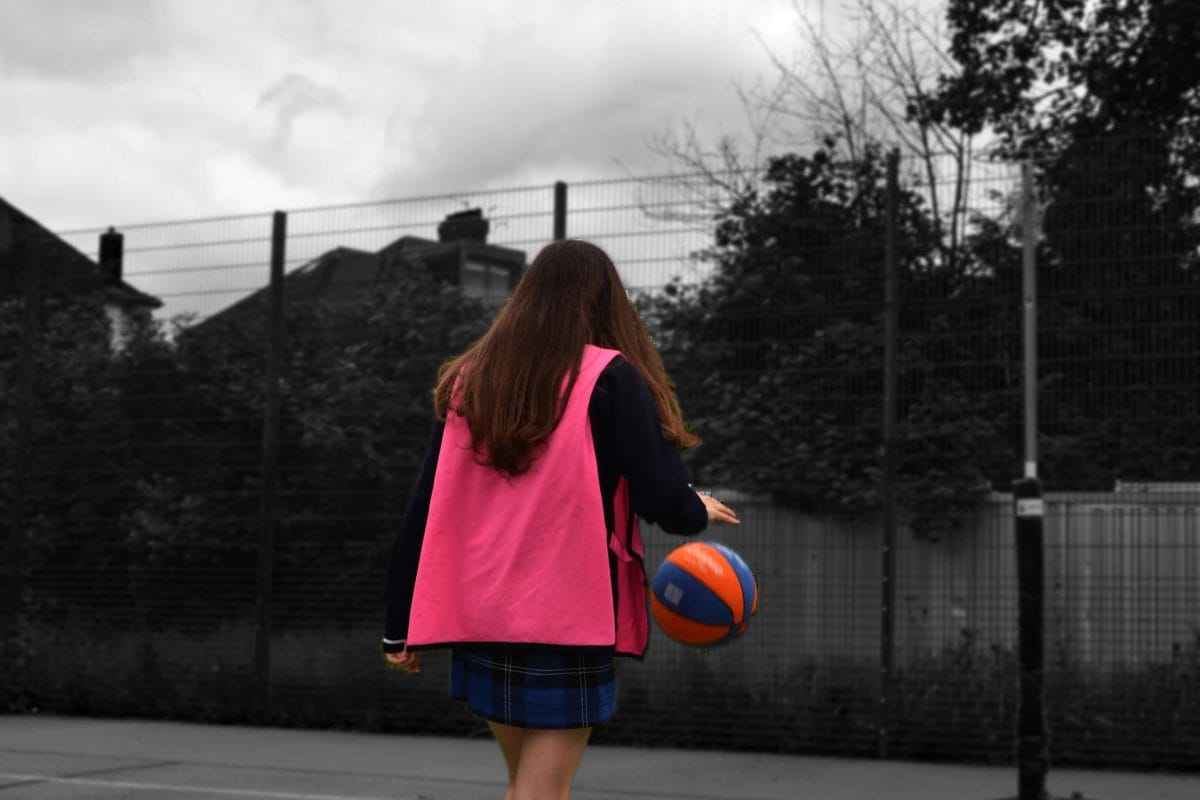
535	689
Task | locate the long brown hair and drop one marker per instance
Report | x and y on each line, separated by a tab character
508	383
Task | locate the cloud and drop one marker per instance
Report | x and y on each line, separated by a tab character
580	95
129	110
94	41
293	96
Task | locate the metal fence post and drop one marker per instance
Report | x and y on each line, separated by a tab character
1032	739
560	210
887	614
14	652
269	504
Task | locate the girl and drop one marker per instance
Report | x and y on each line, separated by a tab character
520	547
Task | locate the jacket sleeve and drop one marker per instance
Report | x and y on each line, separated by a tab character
406	553
630	430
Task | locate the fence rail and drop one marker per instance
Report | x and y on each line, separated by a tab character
144	525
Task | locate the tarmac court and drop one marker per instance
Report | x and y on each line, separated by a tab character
43	757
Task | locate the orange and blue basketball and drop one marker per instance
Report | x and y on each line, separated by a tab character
703	594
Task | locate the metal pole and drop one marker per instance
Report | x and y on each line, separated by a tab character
1029	228
1032	745
268	509
14	656
891	327
560	210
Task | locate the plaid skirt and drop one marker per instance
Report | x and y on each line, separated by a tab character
535	689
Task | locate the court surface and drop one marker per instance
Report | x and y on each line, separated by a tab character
104	759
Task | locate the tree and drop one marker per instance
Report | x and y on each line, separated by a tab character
145	468
851	93
778	354
793	312
1042	74
357	412
1105	96
84	457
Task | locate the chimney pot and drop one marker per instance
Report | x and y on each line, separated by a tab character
469	225
112	255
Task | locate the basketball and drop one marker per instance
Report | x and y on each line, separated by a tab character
703	594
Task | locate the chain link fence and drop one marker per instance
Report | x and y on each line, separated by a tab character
197	530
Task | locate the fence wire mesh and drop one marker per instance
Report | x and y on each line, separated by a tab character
134	418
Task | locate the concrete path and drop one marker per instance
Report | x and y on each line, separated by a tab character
103	759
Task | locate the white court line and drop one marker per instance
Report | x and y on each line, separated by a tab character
167	787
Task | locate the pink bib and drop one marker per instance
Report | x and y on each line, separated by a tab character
525	559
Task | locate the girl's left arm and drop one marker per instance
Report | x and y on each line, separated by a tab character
658	480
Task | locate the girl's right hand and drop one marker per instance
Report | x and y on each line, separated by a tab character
718	511
404	660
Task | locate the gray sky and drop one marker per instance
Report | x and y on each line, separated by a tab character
126	111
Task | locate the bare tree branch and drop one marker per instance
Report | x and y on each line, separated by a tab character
862	89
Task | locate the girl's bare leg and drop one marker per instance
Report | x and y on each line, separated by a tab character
541	763
510	739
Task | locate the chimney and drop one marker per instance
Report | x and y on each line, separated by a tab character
112	255
469	225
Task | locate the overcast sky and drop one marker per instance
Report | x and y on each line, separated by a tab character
127	111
